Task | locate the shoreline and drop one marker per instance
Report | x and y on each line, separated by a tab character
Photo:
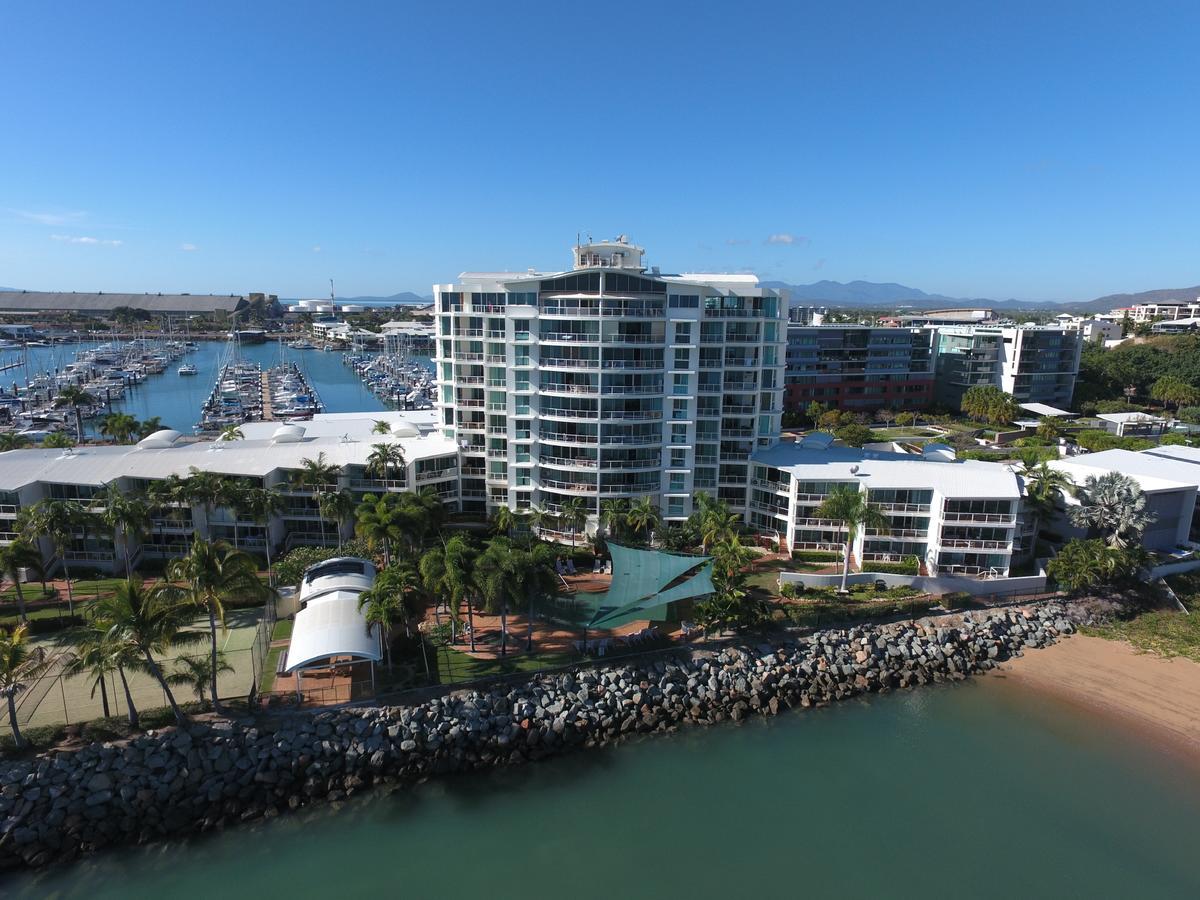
1153	697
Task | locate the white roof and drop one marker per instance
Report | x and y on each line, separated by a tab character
358	425
1120	418
332	626
1041	409
949	478
1176	453
356	575
1153	473
253	458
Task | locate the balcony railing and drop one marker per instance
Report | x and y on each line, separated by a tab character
568	462
993	518
957	544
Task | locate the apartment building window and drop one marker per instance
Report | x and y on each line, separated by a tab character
675	507
679	384
678	434
683	358
678	459
684	301
683	332
678	482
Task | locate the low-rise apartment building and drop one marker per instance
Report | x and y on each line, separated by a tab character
270	456
955	516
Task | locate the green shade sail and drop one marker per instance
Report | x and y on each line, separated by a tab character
638	582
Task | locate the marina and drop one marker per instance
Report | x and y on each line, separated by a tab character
151	387
398	379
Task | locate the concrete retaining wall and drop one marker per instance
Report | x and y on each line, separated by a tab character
940	584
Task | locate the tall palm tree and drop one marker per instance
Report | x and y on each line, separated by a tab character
14	557
504	520
718	523
507	573
205	489
233	496
120	427
385	461
613	515
378	522
20	663
125	514
94	656
574	514
212	574
146	624
643	515
384	608
1044	486
58	520
261	504
337	507
12	440
318	476
75	398
1114	506
449	571
848	505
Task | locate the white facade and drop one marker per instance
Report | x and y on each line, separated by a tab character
955	516
1167	310
608	380
269	456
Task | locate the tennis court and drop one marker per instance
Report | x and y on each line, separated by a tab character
56	699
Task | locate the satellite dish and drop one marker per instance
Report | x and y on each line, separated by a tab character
854	469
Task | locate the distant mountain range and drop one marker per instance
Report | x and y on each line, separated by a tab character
871	294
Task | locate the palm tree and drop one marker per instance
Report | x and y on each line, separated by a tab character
144	624
384	610
196	672
506	573
94	655
124	514
210	575
1114	506
613	513
448	571
574	513
317	476
644	516
12	440
848	505
232	495
119	426
261	504
205	489
59	440
74	397
231	433
504	520
14	557
20	663
378	522
148	426
58	520
1044	485
381	426
336	506
717	523
385	460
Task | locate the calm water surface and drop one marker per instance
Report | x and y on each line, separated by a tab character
968	791
177	399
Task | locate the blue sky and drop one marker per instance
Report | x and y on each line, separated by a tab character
1030	150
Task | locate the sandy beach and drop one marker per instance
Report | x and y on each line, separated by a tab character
1159	697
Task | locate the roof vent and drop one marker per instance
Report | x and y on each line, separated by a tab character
288	434
160	439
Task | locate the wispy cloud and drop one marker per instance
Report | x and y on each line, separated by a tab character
49	218
188	248
819	264
81	239
787	239
737	242
316	249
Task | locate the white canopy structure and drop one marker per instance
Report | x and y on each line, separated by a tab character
330	627
343	573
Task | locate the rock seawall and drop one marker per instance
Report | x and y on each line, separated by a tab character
205	776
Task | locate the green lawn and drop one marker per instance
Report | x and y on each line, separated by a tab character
1164	632
282	630
267	681
455	666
